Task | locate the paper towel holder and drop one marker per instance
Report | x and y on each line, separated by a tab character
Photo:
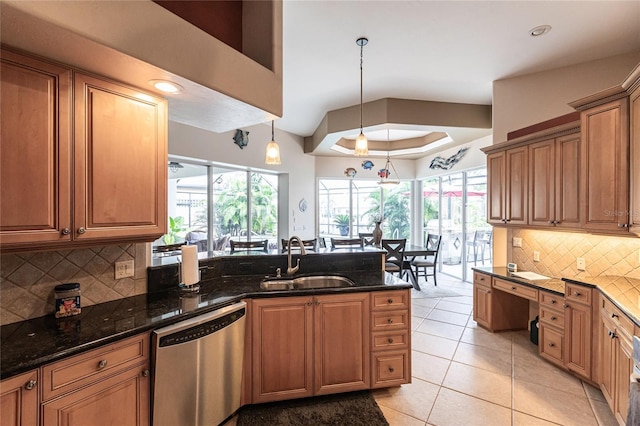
187	287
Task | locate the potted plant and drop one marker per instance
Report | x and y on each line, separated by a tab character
342	221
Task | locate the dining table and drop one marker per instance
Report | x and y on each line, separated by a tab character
411	251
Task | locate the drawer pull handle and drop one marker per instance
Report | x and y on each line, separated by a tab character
551	344
390	369
102	364
390	340
482	279
66	231
564	305
145	373
389	301
614	316
553	318
513	287
553	301
577	294
30	384
390	320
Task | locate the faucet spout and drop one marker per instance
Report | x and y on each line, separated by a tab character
292	270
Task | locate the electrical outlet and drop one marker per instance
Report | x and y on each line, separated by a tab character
580	264
124	269
517	242
536	256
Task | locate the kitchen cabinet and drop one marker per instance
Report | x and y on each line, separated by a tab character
19	400
554	182
634	100
309	345
605	167
103	179
551	328
578	329
390	338
499	308
615	357
482	299
108	385
507	183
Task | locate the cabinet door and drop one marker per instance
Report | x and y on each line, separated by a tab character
551	342
282	348
577	328
482	305
605	166
607	360
120	168
341	342
634	114
35	149
516	186
496	187
567	201
19	400
624	367
542	183
122	399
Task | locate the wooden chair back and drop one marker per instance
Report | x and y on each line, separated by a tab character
249	245
394	258
337	243
366	237
308	244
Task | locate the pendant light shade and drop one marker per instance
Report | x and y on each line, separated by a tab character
362	147
385	174
273	150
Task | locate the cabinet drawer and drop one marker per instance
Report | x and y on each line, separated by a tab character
481	279
390	368
390	300
621	321
517	289
388	340
552	316
80	370
551	341
578	293
551	300
389	320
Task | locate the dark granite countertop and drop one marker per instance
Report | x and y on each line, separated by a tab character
621	291
29	344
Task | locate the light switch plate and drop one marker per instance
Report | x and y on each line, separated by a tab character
517	242
580	264
536	256
124	269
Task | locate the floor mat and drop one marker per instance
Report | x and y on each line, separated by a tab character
353	409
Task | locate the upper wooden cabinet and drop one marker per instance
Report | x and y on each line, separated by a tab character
507	182
105	183
554	180
634	113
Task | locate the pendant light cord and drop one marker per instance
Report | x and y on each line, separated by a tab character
272	134
361	49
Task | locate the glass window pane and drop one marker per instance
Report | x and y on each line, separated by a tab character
333	207
431	206
264	208
366	206
397	211
230	203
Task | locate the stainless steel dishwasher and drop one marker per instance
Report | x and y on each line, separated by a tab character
197	368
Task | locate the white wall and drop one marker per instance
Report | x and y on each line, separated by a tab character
529	99
334	167
218	148
473	158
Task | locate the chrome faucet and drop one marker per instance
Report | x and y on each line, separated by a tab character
290	270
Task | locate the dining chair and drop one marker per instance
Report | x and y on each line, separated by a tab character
344	243
485	243
307	244
249	245
366	237
394	256
473	245
322	243
429	261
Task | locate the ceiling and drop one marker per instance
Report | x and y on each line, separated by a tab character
447	51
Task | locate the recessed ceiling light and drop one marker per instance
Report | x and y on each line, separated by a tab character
540	30
167	86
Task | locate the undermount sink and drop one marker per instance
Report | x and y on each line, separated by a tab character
304	283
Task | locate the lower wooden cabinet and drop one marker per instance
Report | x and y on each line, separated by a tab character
482	300
496	306
19	400
310	345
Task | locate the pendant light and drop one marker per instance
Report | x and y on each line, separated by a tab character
361	148
273	150
385	174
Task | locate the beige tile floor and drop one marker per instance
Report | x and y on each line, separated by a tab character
465	375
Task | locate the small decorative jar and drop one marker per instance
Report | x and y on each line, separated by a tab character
67	299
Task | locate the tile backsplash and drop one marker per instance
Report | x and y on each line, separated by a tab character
604	255
27	280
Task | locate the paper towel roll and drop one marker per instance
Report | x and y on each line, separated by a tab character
190	273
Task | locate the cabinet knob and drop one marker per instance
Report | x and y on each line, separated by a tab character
551	344
564	305
390	340
66	231
553	318
389	301
623	225
145	373
391	369
577	294
481	278
513	287
553	301
614	316
507	220
390	320
550	222
81	230
30	384
556	222
309	303
102	364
